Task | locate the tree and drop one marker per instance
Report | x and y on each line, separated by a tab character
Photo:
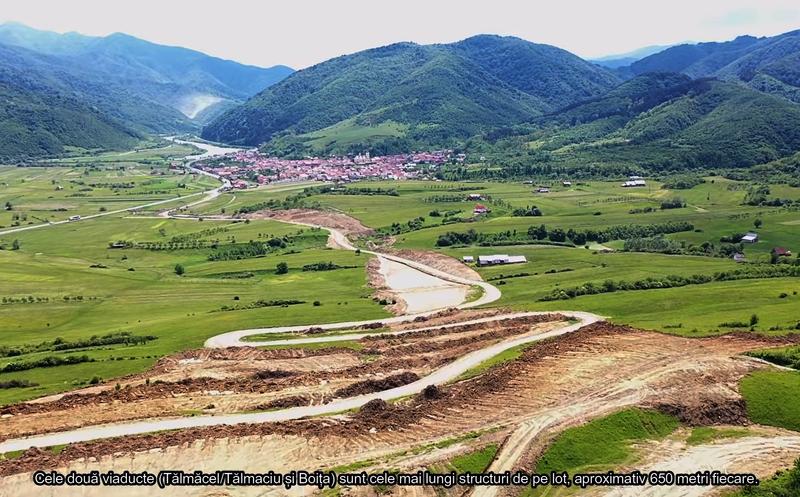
9	206
757	223
753	320
15	244
179	269
281	268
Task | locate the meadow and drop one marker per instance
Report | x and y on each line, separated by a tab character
35	195
66	282
714	208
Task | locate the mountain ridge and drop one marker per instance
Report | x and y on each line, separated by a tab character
472	72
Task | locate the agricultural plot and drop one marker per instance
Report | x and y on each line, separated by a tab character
35	195
82	287
712	211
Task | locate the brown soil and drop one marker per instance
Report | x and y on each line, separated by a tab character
378	385
349	226
438	261
263	379
573	378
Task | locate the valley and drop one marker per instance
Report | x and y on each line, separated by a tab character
490	264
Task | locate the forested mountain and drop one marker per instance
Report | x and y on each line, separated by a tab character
53	75
422	94
178	78
666	121
769	64
37	120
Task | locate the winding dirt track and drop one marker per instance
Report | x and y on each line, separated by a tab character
437	377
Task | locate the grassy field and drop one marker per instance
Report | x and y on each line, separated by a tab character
66	282
602	443
714	208
35	195
137	291
773	398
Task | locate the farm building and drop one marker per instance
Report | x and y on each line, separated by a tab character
468	259
490	260
543	190
739	258
750	238
480	209
566	183
474	196
782	252
634	181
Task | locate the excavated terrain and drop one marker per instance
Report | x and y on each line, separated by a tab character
520	405
217	381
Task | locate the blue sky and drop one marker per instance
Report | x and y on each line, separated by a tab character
303	32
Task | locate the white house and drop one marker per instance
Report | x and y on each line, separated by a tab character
468	259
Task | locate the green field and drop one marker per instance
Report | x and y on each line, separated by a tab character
65	282
714	208
36	195
136	290
603	443
772	398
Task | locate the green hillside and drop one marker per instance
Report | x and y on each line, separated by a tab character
180	86
38	121
658	122
441	93
768	64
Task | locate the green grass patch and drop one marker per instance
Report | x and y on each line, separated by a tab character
782	484
503	357
706	434
476	461
604	442
773	398
788	356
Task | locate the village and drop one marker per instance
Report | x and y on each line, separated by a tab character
248	168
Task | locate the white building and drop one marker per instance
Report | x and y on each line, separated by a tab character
468	259
490	260
750	238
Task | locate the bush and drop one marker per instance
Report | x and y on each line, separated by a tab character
281	268
317	303
179	269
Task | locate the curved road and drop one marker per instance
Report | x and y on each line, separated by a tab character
442	375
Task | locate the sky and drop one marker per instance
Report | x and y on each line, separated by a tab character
300	33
